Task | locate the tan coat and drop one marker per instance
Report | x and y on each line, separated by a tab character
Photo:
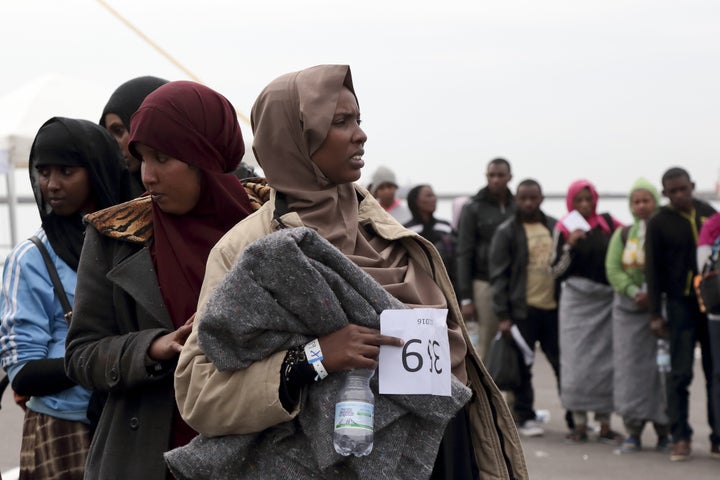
247	401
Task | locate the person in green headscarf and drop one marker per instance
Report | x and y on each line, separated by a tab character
637	388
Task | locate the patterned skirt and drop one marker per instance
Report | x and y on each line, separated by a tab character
52	448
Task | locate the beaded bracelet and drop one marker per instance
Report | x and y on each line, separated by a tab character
293	368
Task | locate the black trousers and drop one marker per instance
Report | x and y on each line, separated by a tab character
687	327
540	326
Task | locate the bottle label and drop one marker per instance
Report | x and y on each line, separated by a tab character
357	416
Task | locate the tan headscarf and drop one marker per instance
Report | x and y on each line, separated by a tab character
290	120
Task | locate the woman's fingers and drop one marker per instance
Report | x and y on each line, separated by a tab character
390	341
354	346
169	345
182	333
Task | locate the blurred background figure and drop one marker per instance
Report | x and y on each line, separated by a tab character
480	217
581	240
123	102
709	246
637	386
456	209
384	188
670	265
525	293
422	203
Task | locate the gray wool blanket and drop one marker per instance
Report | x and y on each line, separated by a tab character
287	288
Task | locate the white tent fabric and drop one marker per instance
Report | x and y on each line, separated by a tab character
24	110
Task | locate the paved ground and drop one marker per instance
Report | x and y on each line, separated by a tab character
11	418
548	457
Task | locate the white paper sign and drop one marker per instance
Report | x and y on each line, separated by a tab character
422	364
575	221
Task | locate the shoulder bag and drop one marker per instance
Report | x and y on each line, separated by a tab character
707	282
55	278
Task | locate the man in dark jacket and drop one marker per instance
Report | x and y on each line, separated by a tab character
670	265
479	219
524	292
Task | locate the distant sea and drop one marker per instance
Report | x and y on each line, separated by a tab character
554	205
28	220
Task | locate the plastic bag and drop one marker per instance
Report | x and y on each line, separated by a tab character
503	363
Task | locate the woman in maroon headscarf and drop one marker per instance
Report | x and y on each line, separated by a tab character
585	312
141	270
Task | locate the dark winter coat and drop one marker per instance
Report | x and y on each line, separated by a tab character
670	253
107	348
479	219
508	268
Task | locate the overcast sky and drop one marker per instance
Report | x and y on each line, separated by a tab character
564	89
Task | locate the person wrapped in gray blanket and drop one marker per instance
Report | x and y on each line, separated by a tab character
272	286
287	288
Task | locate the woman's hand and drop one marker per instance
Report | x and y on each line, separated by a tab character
354	346
641	299
505	326
659	327
574	236
20	400
168	346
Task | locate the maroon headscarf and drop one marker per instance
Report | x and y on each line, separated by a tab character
196	125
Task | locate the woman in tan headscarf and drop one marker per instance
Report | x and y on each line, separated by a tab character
310	145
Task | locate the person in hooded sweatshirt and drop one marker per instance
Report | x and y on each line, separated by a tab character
670	265
75	168
637	386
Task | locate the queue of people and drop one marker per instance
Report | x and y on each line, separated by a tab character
136	387
158	235
622	293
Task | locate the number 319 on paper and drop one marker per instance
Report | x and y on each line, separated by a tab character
422	364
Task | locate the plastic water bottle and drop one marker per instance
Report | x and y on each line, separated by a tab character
663	355
354	413
542	416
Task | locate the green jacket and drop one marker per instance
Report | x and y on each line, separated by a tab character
625	258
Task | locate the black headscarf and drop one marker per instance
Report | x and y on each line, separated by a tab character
71	142
128	97
411	199
125	101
